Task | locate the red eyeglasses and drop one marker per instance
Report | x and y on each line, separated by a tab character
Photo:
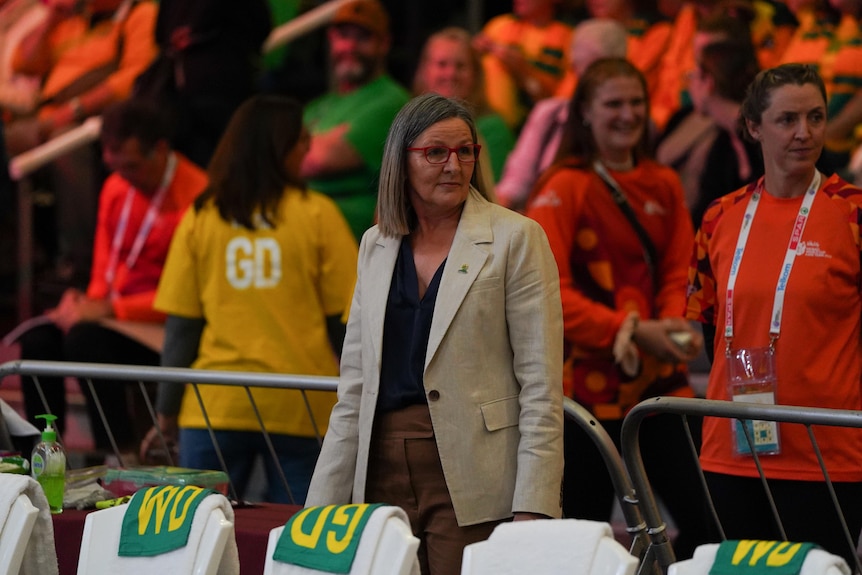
466	154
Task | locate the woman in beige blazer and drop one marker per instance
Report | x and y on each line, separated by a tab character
450	399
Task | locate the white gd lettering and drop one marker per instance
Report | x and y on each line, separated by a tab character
253	263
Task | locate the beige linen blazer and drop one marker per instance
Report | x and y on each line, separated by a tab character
494	359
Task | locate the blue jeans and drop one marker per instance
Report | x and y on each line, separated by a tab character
297	456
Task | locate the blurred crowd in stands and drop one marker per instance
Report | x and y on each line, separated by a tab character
62	61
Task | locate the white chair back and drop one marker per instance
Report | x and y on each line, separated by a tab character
393	552
101	541
16	534
546	547
817	562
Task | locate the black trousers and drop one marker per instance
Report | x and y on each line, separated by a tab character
805	509
588	492
92	343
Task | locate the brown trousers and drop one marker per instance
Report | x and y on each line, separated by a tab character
404	469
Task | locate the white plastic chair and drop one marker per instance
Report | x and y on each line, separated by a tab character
101	540
16	534
817	562
394	552
555	538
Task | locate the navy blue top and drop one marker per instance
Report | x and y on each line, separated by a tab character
406	329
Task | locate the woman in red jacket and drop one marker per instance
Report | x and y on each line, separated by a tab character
621	235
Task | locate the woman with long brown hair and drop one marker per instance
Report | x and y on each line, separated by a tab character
620	235
257	278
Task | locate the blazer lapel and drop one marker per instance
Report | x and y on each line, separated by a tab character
465	261
376	290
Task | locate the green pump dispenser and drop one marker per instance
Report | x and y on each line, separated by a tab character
48	465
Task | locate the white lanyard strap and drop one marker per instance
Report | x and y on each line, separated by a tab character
786	267
143	231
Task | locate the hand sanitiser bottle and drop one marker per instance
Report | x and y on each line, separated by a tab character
48	465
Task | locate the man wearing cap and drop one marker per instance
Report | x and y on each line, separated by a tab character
349	124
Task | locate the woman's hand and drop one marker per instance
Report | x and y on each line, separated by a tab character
75	307
670	339
152	444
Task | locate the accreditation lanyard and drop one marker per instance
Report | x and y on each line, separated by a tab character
143	231
786	267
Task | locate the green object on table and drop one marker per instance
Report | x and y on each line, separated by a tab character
48	465
113	502
14	464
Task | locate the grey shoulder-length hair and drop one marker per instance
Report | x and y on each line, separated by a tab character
395	215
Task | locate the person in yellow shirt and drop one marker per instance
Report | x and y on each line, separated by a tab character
257	279
524	57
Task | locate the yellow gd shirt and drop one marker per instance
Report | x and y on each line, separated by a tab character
265	295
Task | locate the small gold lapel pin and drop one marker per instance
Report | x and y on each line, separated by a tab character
463	269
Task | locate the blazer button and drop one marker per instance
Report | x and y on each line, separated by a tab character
433	395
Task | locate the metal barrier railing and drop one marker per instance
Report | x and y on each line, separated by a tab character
630	498
141	374
807	416
626	495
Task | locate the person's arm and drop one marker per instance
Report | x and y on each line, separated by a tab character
76	307
703	297
523	164
842	125
337	275
537	84
587	324
178	296
138	51
182	341
646	51
34	54
329	154
332	482
672	272
533	313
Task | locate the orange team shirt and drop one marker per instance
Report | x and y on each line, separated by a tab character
772	30
546	50
819	352
600	259
675	64
670	92
77	49
645	45
136	287
647	42
810	41
843	74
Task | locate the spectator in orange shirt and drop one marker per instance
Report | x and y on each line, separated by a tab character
702	141
89	54
671	90
648	33
540	137
140	205
525	57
